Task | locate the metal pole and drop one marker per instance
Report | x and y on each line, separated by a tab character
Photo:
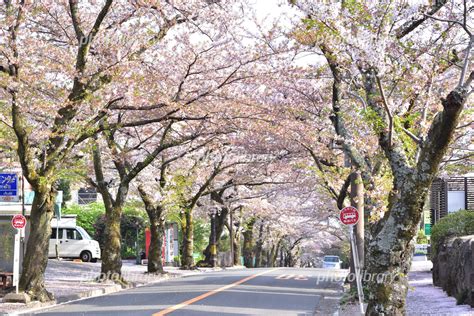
137	251
360	291
213	245
357	201
16	260
231	237
23	211
57	238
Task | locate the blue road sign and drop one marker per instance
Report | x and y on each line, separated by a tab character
8	187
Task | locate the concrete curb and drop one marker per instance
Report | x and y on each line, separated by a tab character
36	306
90	293
113	288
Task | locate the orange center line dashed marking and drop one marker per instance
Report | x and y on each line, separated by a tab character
203	296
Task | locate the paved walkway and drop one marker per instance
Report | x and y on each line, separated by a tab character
69	280
426	299
423	297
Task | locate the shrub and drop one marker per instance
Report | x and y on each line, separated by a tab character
421	237
91	217
87	215
460	223
202	230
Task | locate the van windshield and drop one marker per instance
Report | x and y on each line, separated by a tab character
331	259
84	234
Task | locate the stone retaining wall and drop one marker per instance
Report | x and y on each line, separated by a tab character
453	268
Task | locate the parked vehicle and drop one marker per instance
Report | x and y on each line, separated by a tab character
73	242
331	262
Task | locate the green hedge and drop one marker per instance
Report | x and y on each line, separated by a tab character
91	217
87	215
460	223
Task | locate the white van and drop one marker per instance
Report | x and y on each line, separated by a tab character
73	242
331	262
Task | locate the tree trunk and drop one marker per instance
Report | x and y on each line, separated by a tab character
274	253
248	244
259	247
111	268
220	222
182	220
391	247
248	249
264	258
282	259
157	230
237	249
187	260
390	258
288	258
36	259
270	256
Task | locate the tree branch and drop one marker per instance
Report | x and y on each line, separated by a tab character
75	20
440	134
387	109
412	25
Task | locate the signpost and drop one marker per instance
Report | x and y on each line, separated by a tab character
19	223
350	216
9	187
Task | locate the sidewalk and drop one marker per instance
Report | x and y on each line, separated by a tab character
423	297
70	281
426	299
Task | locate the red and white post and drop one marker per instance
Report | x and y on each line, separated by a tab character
18	223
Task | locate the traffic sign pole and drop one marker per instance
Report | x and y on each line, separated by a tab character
16	260
18	223
355	255
350	216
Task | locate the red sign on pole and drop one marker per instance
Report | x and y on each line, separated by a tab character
349	216
19	221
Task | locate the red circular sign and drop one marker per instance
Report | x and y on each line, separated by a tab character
19	221
349	215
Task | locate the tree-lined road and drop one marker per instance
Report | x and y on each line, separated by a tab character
280	291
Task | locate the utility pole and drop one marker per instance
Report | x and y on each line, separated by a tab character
357	201
231	236
213	238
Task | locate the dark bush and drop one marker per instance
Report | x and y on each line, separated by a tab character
460	223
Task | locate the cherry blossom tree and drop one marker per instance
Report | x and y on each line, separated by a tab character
81	56
372	49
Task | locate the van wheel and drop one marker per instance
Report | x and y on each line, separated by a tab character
86	256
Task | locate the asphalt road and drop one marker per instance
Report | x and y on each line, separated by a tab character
281	291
